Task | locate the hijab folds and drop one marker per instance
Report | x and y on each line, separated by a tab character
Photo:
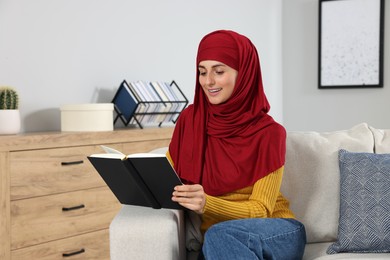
228	146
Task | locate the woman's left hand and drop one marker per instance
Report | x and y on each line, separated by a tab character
192	197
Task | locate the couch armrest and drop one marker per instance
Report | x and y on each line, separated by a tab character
146	233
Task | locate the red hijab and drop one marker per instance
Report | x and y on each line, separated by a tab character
228	146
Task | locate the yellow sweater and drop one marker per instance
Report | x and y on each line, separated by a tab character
262	200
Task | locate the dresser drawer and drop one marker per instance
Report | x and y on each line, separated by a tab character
93	245
48	218
49	171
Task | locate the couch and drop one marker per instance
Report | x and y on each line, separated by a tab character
322	180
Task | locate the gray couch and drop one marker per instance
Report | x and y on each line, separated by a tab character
311	183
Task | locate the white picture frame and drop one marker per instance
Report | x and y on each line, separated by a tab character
351	43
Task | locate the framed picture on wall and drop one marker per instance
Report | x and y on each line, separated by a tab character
351	43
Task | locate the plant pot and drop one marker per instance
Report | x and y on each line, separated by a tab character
9	121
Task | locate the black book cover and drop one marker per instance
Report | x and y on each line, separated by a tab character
143	179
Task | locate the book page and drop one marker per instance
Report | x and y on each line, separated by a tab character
110	153
108	156
145	155
113	153
111	150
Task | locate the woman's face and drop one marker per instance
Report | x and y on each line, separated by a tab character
217	80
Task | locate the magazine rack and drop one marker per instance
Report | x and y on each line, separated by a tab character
142	103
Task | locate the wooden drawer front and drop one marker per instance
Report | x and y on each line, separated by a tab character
50	171
142	147
48	218
93	245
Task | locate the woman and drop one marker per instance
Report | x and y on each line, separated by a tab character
230	154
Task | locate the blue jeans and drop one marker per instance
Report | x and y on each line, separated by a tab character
255	238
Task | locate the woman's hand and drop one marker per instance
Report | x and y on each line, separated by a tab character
192	197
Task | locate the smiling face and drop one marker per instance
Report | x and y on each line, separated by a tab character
217	80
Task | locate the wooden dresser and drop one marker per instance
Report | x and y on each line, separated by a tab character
53	204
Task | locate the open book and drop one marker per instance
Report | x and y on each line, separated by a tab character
142	179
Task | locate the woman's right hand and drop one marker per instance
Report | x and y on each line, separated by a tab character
191	197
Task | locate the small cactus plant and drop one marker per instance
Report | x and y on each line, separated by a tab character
9	98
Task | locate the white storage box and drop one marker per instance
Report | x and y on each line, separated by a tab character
87	117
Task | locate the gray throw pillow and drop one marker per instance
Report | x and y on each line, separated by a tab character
364	222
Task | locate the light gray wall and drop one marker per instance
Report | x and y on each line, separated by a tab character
59	52
305	107
69	51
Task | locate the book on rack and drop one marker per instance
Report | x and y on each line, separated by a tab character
127	102
141	179
166	110
176	96
141	98
153	99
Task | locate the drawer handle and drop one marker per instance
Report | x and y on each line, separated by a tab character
73	208
82	250
72	163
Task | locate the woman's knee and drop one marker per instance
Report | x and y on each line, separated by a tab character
226	240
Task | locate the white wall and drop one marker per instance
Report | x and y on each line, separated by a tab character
305	107
59	52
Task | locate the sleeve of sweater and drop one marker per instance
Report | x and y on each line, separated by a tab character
260	204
